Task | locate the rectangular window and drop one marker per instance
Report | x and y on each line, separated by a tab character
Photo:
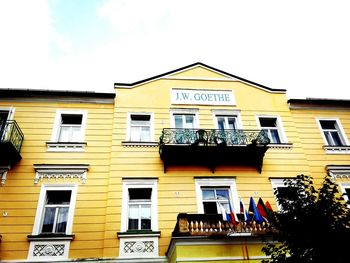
226	122
213	198
285	192
139	205
140	209
184	121
69	126
271	127
332	133
140	128
56	211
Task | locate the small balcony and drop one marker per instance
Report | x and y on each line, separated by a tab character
11	139
214	225
213	147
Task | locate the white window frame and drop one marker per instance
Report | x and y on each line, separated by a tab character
340	130
128	125
139	183
184	112
280	127
227	113
229	183
57	124
41	205
278	183
343	186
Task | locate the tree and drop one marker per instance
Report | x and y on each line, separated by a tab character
313	225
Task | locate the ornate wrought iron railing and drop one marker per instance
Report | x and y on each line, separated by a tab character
10	132
228	137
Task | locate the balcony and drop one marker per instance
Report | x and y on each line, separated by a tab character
213	225
11	139
213	147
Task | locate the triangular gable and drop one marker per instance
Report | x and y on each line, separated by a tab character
200	72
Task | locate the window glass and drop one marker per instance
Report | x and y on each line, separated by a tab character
214	198
139	217
56	212
269	125
331	132
70	128
140	127
226	122
185	121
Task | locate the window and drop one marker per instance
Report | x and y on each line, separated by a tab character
226	122
184	118
345	188
284	191
213	198
140	127
139	208
139	205
332	132
69	126
271	125
55	210
214	192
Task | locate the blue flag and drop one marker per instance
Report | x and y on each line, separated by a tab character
256	215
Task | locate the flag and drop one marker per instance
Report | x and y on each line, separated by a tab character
269	209
223	212
233	216
244	212
262	209
256	215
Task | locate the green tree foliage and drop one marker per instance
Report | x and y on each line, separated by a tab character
313	226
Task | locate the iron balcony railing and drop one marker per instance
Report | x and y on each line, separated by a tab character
10	132
227	137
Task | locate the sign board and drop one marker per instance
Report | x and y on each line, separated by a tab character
202	97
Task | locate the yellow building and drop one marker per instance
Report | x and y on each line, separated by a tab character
143	175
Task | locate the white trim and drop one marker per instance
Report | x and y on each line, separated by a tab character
56	124
41	203
339	127
64	172
280	126
188	111
128	124
3	173
140	183
216	182
228	113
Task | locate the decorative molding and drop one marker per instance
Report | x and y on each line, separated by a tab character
338	171
140	246
48	250
140	144
281	146
63	171
66	146
3	173
337	149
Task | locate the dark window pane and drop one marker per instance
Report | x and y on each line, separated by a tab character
287	192
62	218
135	117
71	118
145	223
275	138
133	224
49	218
140	193
336	139
267	122
347	191
210	208
58	197
328	125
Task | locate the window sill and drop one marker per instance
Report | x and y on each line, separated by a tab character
345	149
139	144
66	146
137	233
280	145
51	237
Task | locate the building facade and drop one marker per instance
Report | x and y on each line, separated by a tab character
148	173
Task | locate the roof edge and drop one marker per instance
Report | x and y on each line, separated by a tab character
190	66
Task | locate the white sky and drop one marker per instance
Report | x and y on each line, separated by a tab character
302	46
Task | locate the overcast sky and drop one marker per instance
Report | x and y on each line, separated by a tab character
301	46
